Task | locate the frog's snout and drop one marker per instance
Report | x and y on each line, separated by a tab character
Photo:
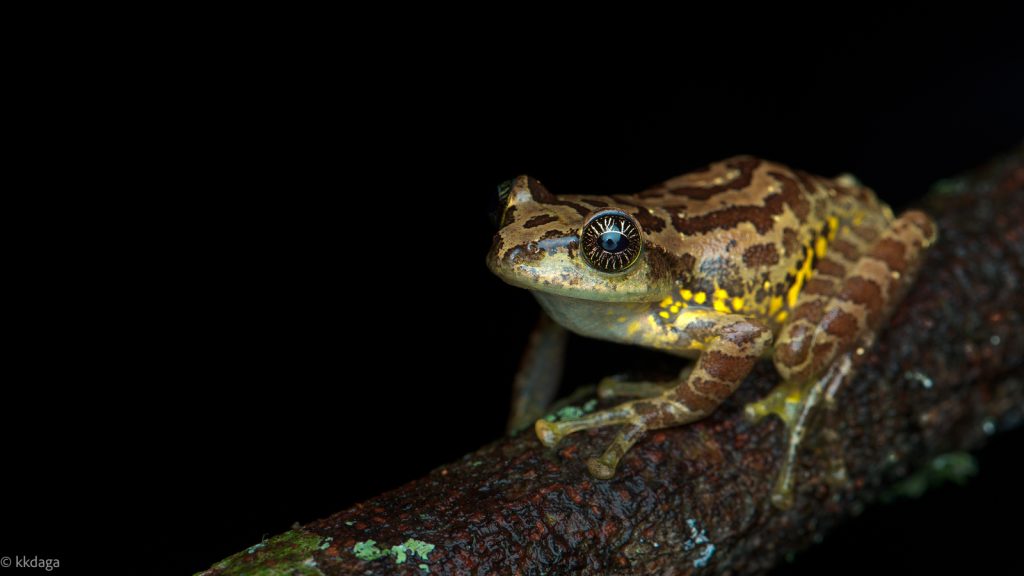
529	252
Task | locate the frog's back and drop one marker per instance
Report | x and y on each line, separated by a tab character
749	230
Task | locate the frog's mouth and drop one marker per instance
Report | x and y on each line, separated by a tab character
554	267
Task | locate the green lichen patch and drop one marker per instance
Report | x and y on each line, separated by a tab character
369	551
572	412
289	554
420	548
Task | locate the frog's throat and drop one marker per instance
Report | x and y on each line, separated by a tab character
587	317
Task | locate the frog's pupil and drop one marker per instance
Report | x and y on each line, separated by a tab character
614	241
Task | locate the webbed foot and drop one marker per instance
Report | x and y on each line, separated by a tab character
635	417
794	404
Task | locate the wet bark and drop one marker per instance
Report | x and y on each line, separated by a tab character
947	374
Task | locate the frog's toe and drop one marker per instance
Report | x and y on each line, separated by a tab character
548	433
785	401
755	411
604	466
601	469
782	499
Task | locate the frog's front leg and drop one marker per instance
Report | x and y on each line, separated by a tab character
731	345
540	373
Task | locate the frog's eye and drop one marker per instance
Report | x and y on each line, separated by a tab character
611	241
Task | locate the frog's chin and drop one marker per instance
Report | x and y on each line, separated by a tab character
593	318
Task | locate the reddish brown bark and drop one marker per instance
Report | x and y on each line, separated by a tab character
946	374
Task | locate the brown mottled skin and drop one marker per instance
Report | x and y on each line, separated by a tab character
741	260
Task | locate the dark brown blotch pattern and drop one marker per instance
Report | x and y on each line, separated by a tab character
892	252
744	165
761	255
829	267
539	221
846	249
840	324
790	242
648	222
794	194
724	367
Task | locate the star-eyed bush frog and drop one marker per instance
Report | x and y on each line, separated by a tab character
741	260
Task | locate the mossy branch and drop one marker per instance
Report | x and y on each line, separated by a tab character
946	375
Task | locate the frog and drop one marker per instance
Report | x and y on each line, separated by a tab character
742	260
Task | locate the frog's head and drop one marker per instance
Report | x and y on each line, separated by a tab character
560	246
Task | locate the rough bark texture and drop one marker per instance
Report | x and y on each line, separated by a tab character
946	374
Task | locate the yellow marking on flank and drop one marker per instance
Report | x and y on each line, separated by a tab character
720	294
633	327
721	307
666	302
821	246
833	227
775	305
781	317
686	294
767	285
794	291
663	314
674	309
737	303
700	297
798	283
696	345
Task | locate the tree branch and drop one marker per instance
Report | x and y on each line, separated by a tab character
946	374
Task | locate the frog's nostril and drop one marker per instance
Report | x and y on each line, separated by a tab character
524	253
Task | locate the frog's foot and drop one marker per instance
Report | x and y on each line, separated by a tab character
551	433
604	466
794	403
785	401
635	417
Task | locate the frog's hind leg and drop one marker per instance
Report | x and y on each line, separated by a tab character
539	375
731	351
839	311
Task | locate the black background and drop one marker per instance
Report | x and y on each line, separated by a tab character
322	328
